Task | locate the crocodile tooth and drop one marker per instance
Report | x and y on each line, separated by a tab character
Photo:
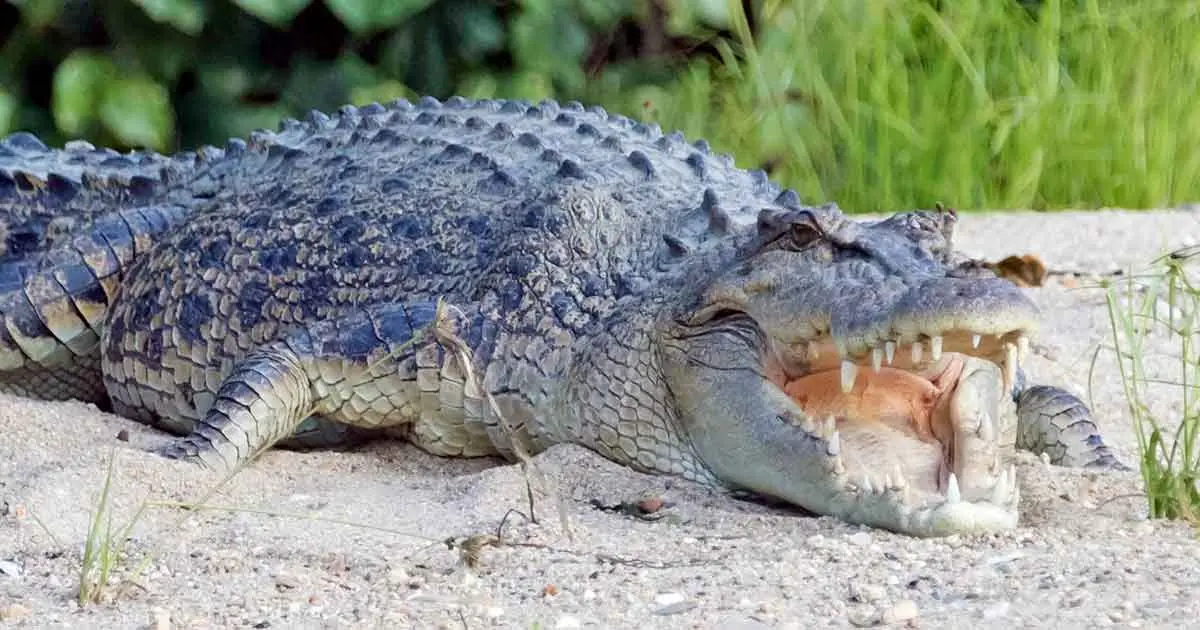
1001	490
808	425
898	477
975	339
813	352
849	374
917	350
833	446
1022	348
889	351
935	347
887	481
1010	366
829	427
838	467
952	493
876	359
866	485
994	468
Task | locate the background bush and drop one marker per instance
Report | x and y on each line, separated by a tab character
875	104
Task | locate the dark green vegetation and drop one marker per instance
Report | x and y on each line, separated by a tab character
877	105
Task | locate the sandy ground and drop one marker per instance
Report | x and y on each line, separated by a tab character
355	539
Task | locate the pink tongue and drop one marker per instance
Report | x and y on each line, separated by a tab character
894	397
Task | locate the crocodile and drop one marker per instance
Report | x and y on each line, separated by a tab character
482	277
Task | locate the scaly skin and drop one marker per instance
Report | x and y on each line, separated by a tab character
615	287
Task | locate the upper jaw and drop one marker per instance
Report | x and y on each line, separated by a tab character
981	317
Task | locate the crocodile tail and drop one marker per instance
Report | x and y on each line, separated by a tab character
53	304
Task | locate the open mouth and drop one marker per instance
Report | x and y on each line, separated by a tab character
923	419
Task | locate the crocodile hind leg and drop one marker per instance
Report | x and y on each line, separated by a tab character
1056	422
376	370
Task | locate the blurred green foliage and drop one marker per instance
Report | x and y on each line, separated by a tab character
170	74
874	104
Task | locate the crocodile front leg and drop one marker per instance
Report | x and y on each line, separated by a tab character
381	368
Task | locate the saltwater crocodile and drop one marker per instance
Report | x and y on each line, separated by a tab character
615	287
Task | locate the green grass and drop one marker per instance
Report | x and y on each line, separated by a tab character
1162	304
104	547
890	104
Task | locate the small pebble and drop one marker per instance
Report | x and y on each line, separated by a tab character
666	599
10	568
286	581
160	619
740	623
997	610
861	539
13	612
902	611
676	608
863	616
867	593
650	505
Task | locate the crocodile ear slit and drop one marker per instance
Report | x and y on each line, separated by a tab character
768	221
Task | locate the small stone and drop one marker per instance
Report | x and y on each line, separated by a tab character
864	616
676	608
566	622
740	623
997	610
160	619
866	593
397	575
549	590
12	612
666	599
10	568
285	581
861	539
1004	558
650	505
901	612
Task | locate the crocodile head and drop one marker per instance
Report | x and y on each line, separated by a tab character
858	370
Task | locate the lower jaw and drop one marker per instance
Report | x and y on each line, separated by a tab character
914	424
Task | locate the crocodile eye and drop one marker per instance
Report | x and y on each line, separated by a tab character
800	236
